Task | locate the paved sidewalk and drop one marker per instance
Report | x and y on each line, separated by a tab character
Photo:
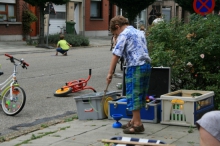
88	132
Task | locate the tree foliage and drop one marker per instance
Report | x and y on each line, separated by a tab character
132	7
188	5
41	4
27	18
191	50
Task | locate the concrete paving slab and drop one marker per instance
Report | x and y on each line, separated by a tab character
70	143
48	140
192	139
183	143
168	133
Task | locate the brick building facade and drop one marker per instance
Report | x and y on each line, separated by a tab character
13	30
98	25
93	17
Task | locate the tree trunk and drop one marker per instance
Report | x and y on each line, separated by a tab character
131	22
41	38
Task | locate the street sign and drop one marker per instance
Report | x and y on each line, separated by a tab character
203	7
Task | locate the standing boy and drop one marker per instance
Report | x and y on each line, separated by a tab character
131	45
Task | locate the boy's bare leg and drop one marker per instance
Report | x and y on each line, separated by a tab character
56	53
136	118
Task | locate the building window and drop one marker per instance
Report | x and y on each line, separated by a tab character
59	15
96	9
157	8
7	10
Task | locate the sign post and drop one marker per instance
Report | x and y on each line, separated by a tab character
49	10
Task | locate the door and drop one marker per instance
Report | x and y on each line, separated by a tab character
34	24
76	17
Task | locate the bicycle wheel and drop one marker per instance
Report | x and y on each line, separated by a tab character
63	91
14	106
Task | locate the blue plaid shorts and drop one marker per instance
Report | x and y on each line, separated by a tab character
137	84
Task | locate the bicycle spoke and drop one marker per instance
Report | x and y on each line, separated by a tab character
13	106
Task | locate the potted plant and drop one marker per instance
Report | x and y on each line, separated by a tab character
12	18
1	18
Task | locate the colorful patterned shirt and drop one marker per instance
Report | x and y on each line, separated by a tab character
132	45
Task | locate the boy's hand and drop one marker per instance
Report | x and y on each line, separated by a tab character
109	79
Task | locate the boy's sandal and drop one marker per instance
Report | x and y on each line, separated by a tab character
125	126
137	129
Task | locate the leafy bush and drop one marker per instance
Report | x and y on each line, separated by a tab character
192	51
74	40
27	18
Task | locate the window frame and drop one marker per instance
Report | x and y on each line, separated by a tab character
100	5
6	12
54	17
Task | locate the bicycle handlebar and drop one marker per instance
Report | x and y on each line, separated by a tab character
20	60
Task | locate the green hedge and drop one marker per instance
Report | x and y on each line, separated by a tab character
192	51
74	40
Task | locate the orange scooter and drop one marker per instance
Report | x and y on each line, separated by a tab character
74	86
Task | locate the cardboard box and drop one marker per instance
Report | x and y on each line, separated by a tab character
185	107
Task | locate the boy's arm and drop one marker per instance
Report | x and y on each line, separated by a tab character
69	45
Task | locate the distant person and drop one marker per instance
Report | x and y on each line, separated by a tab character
62	46
158	19
114	39
142	29
209	129
152	15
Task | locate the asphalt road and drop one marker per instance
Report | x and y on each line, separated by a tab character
45	75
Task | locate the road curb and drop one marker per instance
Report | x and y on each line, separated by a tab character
19	133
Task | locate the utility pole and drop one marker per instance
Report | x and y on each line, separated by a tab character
48	25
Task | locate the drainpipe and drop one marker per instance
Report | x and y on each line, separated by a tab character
48	25
83	32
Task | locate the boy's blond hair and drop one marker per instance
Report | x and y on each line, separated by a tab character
61	37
